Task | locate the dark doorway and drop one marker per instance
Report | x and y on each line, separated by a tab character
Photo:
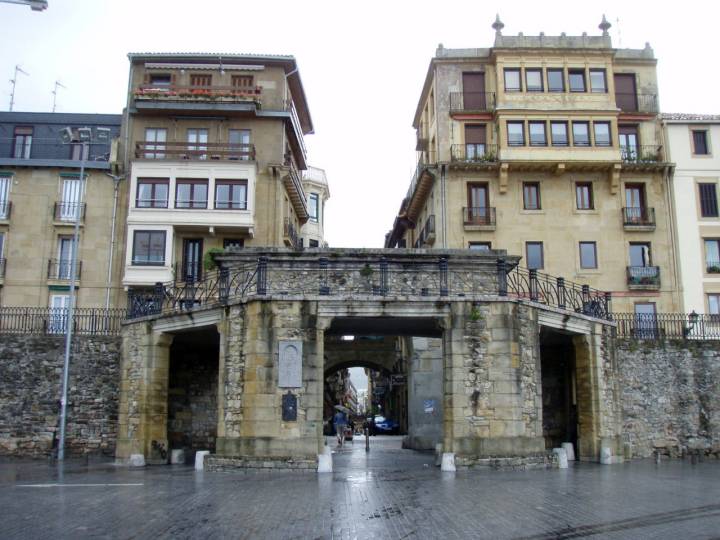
559	389
192	259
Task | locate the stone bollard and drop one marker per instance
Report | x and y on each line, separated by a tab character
137	460
325	462
438	454
177	457
569	450
448	462
200	459
562	457
606	456
657	457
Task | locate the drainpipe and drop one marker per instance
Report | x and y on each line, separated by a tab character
443	206
116	180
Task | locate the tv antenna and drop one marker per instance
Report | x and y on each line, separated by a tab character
18	69
617	21
58	84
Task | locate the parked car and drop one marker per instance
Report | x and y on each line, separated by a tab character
385	425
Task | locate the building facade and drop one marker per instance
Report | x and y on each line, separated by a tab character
317	190
692	142
41	198
549	147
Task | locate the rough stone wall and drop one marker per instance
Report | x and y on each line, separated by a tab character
425	393
233	371
670	395
31	384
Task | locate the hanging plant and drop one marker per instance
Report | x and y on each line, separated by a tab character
208	261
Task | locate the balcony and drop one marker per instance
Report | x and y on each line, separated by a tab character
290	235
641	154
479	218
638	219
474	153
5	209
174	92
188	272
472	102
427	234
643	277
59	269
298	141
196	152
68	212
637	103
294	187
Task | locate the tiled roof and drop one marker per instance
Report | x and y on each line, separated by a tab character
691	117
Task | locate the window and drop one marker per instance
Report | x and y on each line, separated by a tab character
516	133
23	142
313	243
478	212
233	243
314	207
537	133
584	195
5	196
64	259
581	134
475	135
559	131
242	82
152	193
576	78
588	255
239	140
479	246
712	255
531	195
155	139
197	142
598	82
640	254
708	200
556	80
533	80
700	145
512	80
160	79
714	304
59	304
602	133
534	255
200	80
148	248
231	194
191	193
628	139
70	206
635	201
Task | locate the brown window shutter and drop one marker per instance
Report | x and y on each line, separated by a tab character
708	200
475	134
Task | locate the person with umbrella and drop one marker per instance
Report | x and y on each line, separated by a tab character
340	421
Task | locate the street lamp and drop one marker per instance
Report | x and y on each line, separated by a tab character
35	5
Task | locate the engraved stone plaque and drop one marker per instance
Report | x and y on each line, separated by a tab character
289	407
290	364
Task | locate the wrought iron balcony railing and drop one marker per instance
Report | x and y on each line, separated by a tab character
59	269
667	325
188	272
194	151
474	153
638	216
290	234
176	92
641	154
644	103
86	321
479	215
643	276
5	209
68	211
472	101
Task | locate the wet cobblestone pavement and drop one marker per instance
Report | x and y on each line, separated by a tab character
387	494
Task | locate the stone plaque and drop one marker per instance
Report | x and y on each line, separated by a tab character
289	407
290	364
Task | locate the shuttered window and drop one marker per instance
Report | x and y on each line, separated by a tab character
708	200
700	146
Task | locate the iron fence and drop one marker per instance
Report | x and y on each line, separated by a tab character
667	326
472	101
474	153
50	321
641	154
638	216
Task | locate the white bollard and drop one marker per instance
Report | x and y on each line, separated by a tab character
177	457
438	454
569	450
448	462
562	457
200	459
325	462
606	457
137	460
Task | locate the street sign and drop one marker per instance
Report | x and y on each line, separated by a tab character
398	380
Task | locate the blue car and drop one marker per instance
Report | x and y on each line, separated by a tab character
385	425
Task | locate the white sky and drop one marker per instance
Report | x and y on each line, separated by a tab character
362	65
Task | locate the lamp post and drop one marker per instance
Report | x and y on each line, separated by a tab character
35	5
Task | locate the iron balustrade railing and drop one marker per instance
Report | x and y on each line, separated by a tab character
69	211
59	269
643	276
649	153
427	234
712	266
472	101
3	262
290	232
194	151
667	326
176	92
479	215
641	216
474	153
44	321
5	209
631	102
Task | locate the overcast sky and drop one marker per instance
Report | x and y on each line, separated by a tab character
362	65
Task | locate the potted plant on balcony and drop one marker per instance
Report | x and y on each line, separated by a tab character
713	269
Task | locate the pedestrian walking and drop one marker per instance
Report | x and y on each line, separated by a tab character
340	421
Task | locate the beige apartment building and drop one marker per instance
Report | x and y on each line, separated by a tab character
41	198
549	147
215	153
318	192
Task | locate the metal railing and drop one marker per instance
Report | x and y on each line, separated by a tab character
630	102
667	326
3	262
427	234
635	215
479	215
643	276
641	154
59	269
188	272
176	92
474	153
5	209
194	151
86	321
68	211
290	233
472	101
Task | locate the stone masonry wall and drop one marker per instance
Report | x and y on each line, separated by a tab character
31	384
670	395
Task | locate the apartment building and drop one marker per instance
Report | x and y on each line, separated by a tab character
317	190
41	198
693	144
549	147
215	153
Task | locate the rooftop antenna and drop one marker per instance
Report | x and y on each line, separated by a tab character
617	21
18	69
58	84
